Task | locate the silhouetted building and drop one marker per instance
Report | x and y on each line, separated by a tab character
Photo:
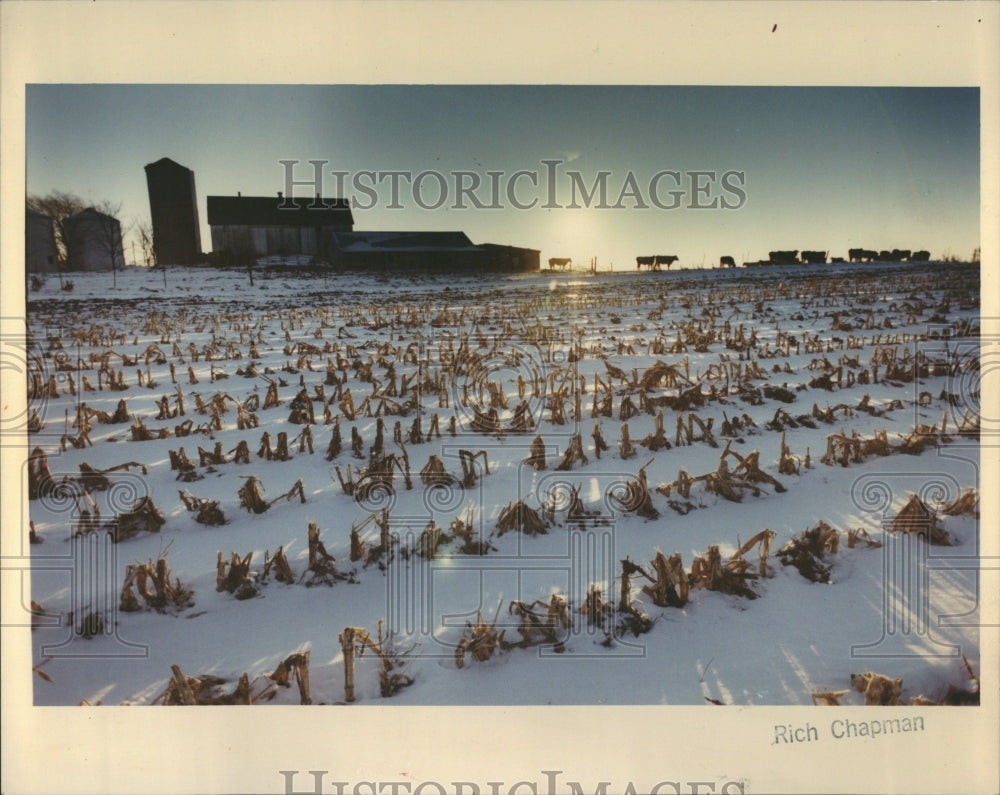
511	258
249	227
173	207
93	242
426	251
272	225
40	254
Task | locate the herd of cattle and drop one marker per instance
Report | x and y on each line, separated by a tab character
820	257
657	261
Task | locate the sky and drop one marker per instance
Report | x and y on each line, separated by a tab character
698	172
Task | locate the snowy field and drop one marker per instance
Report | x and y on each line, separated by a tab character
880	361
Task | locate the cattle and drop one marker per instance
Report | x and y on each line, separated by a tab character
647	261
861	255
920	256
814	257
884	256
898	255
664	259
560	262
727	262
783	257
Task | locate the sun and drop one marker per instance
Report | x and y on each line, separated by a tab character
579	233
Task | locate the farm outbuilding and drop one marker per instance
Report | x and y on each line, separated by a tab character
93	241
40	254
266	226
249	227
427	251
173	207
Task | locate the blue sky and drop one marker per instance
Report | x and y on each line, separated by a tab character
808	168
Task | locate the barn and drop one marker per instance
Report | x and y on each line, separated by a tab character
427	251
93	241
264	226
173	207
250	227
40	254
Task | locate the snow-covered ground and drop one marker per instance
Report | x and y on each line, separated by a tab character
906	610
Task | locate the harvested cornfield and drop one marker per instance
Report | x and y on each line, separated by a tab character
497	473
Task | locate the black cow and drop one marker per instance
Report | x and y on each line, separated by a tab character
862	255
920	256
727	262
647	261
783	257
664	259
814	257
560	262
899	254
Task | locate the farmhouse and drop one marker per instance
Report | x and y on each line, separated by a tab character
173	206
40	254
93	241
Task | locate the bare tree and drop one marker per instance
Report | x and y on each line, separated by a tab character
144	229
242	252
109	234
58	206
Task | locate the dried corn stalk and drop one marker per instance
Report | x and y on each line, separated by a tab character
636	497
625	447
670	588
574	452
392	675
632	618
282	568
234	577
536	454
877	689
299	664
709	572
540	622
40	482
915	517
434	474
657	440
466	531
965	504
830	698
809	550
209	512
518	516
251	494
165	594
202	690
321	570
856	535
480	640
144	517
93	479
